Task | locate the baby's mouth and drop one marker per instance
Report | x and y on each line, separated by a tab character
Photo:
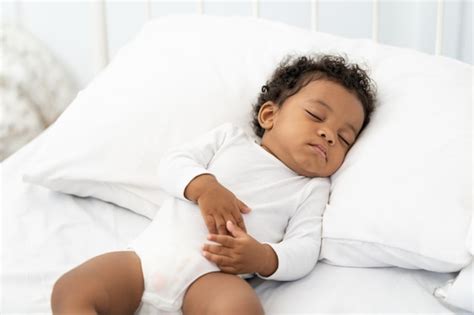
319	150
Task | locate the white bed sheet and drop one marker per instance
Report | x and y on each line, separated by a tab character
45	233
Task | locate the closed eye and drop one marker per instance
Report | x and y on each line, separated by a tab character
344	140
313	115
319	119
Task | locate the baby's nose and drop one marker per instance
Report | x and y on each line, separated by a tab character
327	135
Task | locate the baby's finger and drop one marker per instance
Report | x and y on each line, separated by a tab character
224	240
217	259
210	223
243	207
229	269
220	225
239	221
229	217
216	249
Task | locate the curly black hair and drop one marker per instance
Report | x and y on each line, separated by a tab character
295	72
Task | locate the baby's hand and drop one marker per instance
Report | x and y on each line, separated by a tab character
240	253
219	205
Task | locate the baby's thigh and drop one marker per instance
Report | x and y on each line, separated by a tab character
111	283
221	293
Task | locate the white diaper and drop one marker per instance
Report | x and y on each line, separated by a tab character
170	253
171	257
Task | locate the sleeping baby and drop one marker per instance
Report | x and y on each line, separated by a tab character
239	208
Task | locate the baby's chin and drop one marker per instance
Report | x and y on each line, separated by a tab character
327	173
314	173
315	170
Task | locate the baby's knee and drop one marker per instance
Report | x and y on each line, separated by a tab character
242	300
59	296
219	293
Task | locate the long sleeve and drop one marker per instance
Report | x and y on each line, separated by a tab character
298	252
181	164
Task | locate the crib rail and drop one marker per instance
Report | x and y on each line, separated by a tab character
100	35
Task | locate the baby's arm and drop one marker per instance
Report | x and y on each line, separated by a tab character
298	252
183	173
180	165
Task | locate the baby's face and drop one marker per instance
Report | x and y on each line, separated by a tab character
314	129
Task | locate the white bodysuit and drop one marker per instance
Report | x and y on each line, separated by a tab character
286	213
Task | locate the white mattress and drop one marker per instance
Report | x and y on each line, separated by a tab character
46	233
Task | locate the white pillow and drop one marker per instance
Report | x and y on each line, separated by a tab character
183	75
178	78
403	195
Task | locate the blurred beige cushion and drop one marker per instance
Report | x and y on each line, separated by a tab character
35	88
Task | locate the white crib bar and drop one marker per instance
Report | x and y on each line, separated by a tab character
314	15
200	7
375	20
256	8
439	28
148	10
99	35
100	41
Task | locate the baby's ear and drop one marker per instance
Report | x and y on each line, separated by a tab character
266	115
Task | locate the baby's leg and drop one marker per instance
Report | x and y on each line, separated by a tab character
107	284
221	293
